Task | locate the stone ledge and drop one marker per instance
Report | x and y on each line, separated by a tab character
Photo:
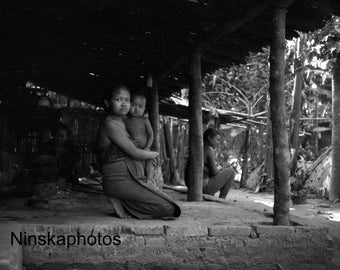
177	246
186	231
143	229
229	230
10	253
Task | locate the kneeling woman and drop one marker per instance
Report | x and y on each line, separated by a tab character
215	179
121	164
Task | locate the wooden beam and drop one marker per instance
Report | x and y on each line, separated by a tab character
196	128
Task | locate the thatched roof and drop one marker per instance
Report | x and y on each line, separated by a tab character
78	46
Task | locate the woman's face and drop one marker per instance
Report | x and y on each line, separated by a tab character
214	141
120	102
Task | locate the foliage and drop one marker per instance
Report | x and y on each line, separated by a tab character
239	87
231	88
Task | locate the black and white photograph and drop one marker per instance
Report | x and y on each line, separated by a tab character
170	134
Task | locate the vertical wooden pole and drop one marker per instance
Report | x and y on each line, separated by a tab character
296	112
316	124
245	157
196	128
269	164
171	151
334	189
279	115
154	116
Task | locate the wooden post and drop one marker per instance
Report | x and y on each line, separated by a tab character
334	189
279	115
268	164
296	112
154	116
196	128
245	157
171	150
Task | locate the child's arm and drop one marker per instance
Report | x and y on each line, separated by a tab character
118	136
149	131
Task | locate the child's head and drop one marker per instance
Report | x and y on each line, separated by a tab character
60	133
138	104
117	100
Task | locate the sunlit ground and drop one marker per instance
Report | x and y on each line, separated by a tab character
333	215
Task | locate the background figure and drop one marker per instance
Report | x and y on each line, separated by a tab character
63	150
140	130
214	179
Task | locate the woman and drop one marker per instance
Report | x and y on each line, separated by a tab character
121	164
215	179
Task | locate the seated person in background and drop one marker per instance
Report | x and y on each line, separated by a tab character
140	130
214	179
63	150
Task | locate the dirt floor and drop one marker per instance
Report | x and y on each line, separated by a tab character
242	207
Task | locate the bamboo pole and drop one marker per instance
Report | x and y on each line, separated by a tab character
196	128
279	115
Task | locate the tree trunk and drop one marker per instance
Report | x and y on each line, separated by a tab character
196	128
334	189
296	112
278	117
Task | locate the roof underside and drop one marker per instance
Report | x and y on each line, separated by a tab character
78	47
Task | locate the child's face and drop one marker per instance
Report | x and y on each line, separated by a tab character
138	106
120	102
60	136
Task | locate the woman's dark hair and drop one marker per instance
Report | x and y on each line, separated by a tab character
210	132
60	126
109	91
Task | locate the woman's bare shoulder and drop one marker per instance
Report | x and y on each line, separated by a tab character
110	123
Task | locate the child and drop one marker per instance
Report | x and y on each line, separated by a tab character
140	130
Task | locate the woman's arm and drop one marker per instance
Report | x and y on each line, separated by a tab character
150	134
116	133
211	162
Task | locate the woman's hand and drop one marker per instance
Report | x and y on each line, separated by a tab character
155	154
156	162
